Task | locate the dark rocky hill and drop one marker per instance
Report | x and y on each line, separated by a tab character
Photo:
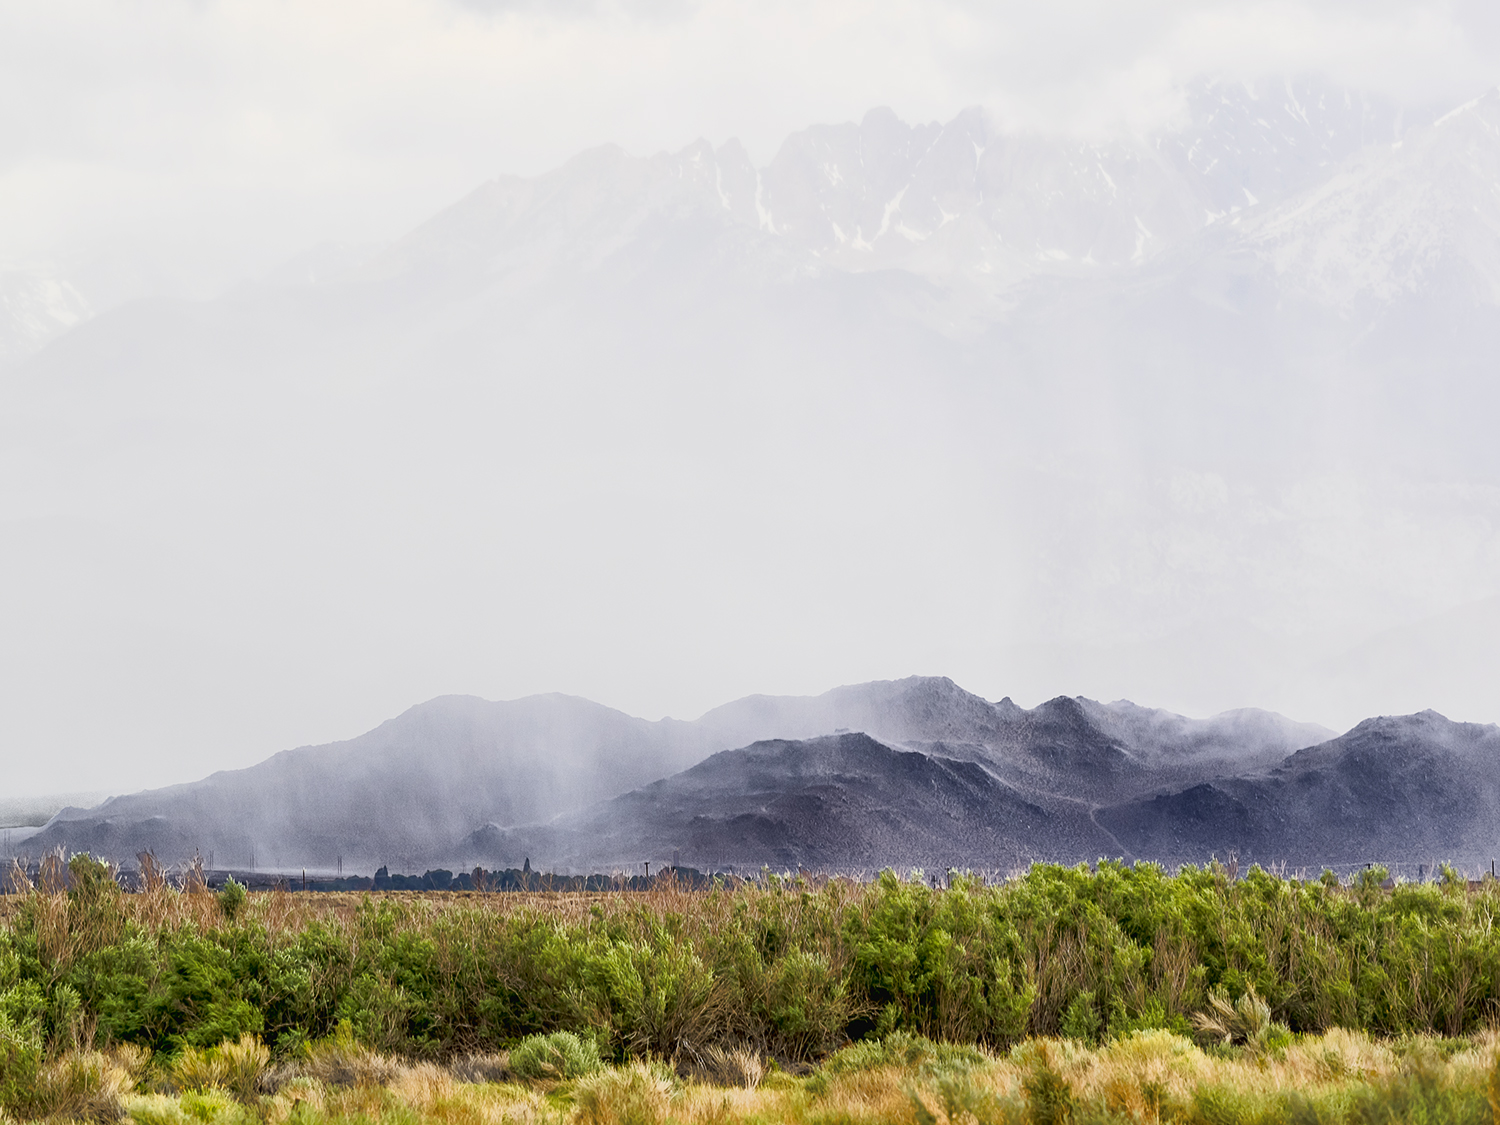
842	802
414	788
1066	781
1413	789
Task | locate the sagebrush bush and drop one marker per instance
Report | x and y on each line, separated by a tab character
557	1057
207	1107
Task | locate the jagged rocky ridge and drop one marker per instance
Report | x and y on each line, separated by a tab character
911	772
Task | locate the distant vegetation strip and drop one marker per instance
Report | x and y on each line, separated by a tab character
796	971
481	879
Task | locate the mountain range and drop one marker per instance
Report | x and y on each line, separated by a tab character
1200	416
914	772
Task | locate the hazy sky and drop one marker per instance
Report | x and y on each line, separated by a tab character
177	145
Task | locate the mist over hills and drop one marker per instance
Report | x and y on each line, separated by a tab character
906	772
927	388
1068	781
914	772
1418	786
837	802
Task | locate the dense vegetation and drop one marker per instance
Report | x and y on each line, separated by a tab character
789	971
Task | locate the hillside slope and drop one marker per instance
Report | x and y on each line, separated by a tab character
416	785
1410	789
844	802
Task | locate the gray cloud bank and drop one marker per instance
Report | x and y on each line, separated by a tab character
1186	401
176	147
1053	413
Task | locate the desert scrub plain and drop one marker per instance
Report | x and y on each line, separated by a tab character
1119	993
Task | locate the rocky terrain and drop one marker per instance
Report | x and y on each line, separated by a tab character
1068	781
1413	787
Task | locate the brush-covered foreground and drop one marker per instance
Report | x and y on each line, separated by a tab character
139	986
1146	1076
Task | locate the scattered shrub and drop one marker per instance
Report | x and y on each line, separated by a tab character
232	898
900	1049
1049	1097
961	1099
558	1057
209	1107
1081	1021
1247	1022
20	1065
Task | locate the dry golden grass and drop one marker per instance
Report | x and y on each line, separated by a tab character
168	905
1145	1079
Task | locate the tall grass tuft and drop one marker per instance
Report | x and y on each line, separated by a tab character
235	1066
1247	1021
638	1094
341	1060
740	1066
90	1085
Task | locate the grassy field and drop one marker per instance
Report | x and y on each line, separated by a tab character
1114	993
1148	1076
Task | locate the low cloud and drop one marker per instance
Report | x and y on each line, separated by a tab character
178	146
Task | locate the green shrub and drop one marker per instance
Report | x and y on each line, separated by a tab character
1420	1094
20	1066
1223	1105
654	989
211	1107
1081	1021
1049	1098
557	1057
232	898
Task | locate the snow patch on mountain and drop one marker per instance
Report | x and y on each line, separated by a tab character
1396	220
33	309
